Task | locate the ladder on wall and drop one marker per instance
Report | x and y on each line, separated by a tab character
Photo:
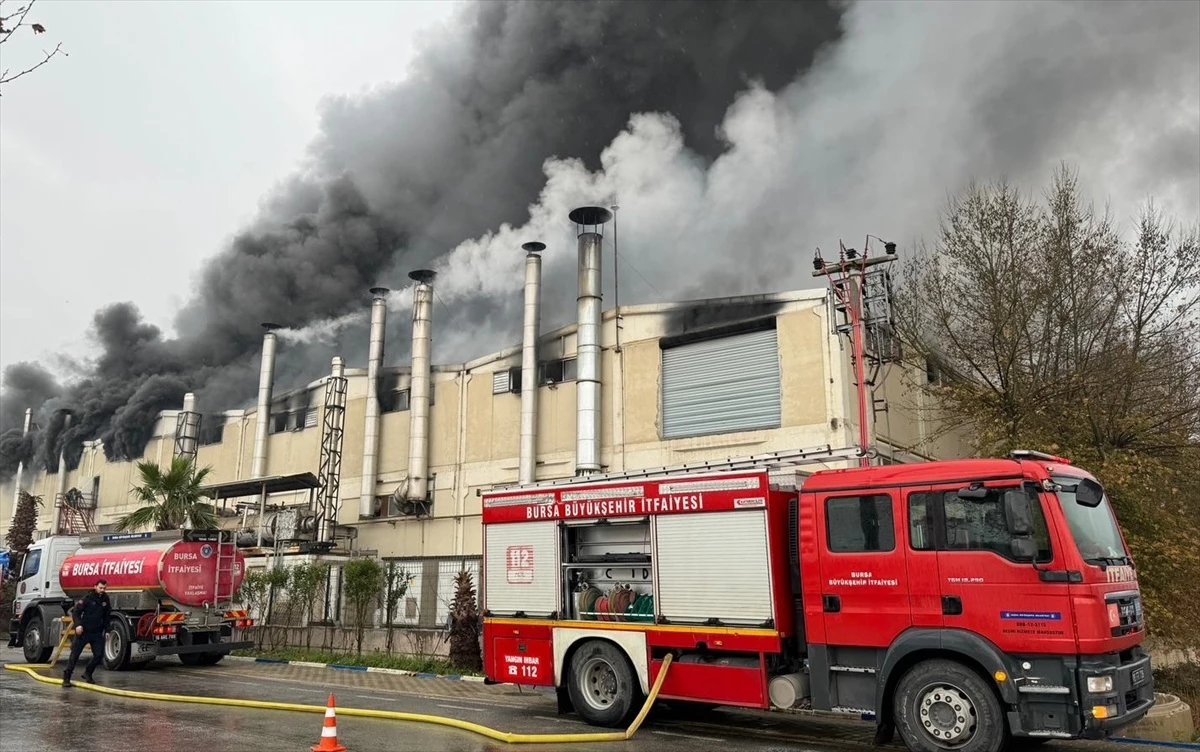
76	520
223	590
773	461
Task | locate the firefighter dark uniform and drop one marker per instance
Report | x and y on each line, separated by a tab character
91	613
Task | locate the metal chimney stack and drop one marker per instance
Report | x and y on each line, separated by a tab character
60	498
527	472
589	221
418	389
262	422
187	429
21	465
366	494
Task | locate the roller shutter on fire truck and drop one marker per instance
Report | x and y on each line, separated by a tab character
714	565
522	568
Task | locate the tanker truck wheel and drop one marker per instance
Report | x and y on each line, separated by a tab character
602	685
35	642
116	646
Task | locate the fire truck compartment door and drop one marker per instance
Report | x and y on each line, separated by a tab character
522	574
714	565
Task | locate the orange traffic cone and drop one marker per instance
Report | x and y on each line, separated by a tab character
329	742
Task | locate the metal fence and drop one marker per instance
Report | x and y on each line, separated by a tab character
426	604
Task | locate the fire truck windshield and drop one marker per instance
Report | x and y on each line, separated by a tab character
1093	527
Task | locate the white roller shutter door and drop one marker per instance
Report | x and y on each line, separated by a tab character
721	385
714	566
522	568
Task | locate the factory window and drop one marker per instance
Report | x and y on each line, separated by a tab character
293	420
721	384
933	374
555	371
212	430
399	400
507	381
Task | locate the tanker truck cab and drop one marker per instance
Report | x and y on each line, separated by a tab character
171	594
964	603
40	603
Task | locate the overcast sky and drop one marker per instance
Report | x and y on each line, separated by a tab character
128	162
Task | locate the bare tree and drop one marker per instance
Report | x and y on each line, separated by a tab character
12	19
1053	332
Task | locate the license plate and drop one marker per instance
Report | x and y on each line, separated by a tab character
1138	676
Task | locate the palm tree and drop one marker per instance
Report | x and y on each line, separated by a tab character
171	498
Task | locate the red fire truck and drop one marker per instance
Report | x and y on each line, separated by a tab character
962	603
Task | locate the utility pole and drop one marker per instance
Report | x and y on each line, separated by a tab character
862	291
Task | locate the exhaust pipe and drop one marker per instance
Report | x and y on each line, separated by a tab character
589	221
418	389
366	494
19	479
262	417
527	472
60	498
187	429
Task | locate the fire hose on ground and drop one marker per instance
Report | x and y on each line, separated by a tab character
507	737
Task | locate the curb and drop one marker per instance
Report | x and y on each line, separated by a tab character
1152	743
368	669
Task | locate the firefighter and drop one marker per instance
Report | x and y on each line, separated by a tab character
89	617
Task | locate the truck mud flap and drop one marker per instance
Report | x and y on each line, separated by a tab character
215	647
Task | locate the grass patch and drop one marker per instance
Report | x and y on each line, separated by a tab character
1183	681
373	660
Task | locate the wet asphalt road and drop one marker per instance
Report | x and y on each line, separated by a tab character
39	716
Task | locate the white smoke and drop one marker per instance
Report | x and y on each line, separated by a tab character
916	101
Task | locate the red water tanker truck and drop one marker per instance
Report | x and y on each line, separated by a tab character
171	593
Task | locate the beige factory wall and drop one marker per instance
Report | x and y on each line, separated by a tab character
915	423
814	393
229	459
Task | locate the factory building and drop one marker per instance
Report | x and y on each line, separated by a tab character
391	460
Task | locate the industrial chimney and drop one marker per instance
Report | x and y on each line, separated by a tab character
418	389
262	417
589	221
60	498
527	472
21	465
366	494
187	428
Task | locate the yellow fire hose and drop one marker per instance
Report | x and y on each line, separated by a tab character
507	737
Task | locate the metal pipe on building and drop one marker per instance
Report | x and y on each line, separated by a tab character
589	221
527	472
366	494
418	388
189	428
262	418
19	478
61	496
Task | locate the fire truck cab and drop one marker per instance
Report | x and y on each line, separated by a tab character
961	603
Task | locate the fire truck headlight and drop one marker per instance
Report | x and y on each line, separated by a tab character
1100	684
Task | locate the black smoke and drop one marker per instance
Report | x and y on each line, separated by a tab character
406	173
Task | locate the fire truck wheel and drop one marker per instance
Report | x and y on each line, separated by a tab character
34	644
943	705
602	685
116	646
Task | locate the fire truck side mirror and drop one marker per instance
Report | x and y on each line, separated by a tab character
1017	513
